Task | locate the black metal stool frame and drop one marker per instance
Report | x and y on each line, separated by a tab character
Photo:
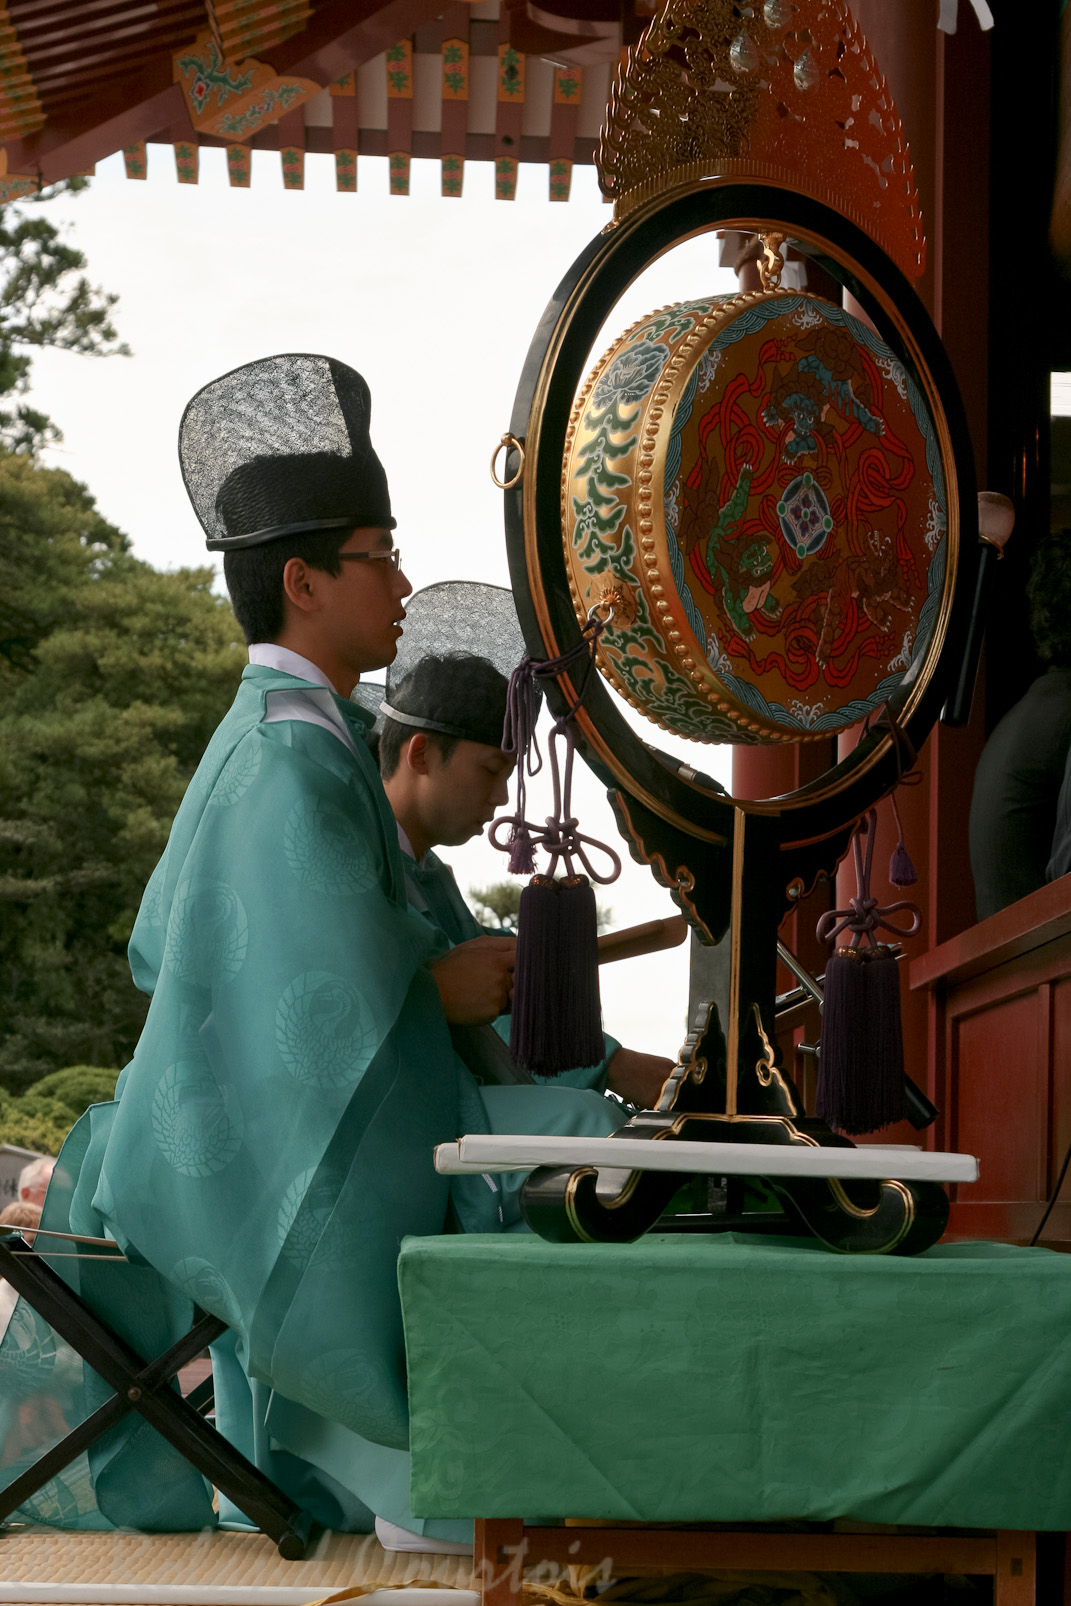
145	1387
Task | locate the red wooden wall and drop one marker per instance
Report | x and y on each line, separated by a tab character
998	1002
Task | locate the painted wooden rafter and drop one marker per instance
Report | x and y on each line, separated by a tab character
244	102
338	37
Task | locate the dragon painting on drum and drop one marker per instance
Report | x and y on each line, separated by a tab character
798	569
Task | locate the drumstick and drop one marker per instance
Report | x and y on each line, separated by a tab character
649	938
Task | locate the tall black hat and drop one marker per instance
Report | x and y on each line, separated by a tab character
281	446
452	619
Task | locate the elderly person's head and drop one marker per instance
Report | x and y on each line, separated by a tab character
34	1179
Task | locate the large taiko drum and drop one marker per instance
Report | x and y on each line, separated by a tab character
752	488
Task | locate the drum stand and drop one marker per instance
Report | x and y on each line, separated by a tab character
728	1086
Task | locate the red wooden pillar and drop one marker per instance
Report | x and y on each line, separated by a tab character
904	41
940	84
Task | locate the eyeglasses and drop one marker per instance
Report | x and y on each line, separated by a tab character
393	557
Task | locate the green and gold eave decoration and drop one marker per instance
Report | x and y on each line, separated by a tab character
234	100
752	493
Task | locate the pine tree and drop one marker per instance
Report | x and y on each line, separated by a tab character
45	300
112	678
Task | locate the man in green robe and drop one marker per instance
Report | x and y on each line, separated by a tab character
445	773
272	1139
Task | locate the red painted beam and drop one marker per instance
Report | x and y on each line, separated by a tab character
56	153
347	33
339	37
426	146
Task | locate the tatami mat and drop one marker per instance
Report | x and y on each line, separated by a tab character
215	1569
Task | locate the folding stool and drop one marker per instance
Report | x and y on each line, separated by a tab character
145	1387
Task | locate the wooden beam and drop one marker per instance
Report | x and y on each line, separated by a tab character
1042	917
565	112
427	145
509	110
346	33
398	66
454	120
137	108
504	1547
344	133
340	36
291	132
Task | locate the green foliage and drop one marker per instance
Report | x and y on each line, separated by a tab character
37	1123
45	300
497	905
112	678
500	905
77	1087
51	542
41	1118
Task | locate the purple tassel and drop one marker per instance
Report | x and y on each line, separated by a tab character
555	1022
533	972
521	851
902	872
861	1057
581	1040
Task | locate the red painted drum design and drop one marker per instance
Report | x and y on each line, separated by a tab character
752	486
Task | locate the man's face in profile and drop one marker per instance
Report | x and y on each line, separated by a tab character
464	791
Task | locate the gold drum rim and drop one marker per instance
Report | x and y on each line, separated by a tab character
645	501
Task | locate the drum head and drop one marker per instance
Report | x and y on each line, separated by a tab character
753	493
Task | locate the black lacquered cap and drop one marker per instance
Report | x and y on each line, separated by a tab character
444	623
282	446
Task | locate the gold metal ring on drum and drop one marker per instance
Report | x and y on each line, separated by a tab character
508	440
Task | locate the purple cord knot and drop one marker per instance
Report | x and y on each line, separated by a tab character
863	910
559	837
864	916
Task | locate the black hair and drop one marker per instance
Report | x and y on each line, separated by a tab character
254	576
1049	592
393	738
458	689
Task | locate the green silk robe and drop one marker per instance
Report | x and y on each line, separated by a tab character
271	1140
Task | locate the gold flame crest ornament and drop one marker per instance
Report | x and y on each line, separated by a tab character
784	91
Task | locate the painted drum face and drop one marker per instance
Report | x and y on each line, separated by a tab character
752	485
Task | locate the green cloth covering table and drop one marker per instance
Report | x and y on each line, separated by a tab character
727	1378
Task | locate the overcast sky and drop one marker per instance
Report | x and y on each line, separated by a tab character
434	301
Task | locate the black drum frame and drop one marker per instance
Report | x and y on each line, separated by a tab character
733	865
